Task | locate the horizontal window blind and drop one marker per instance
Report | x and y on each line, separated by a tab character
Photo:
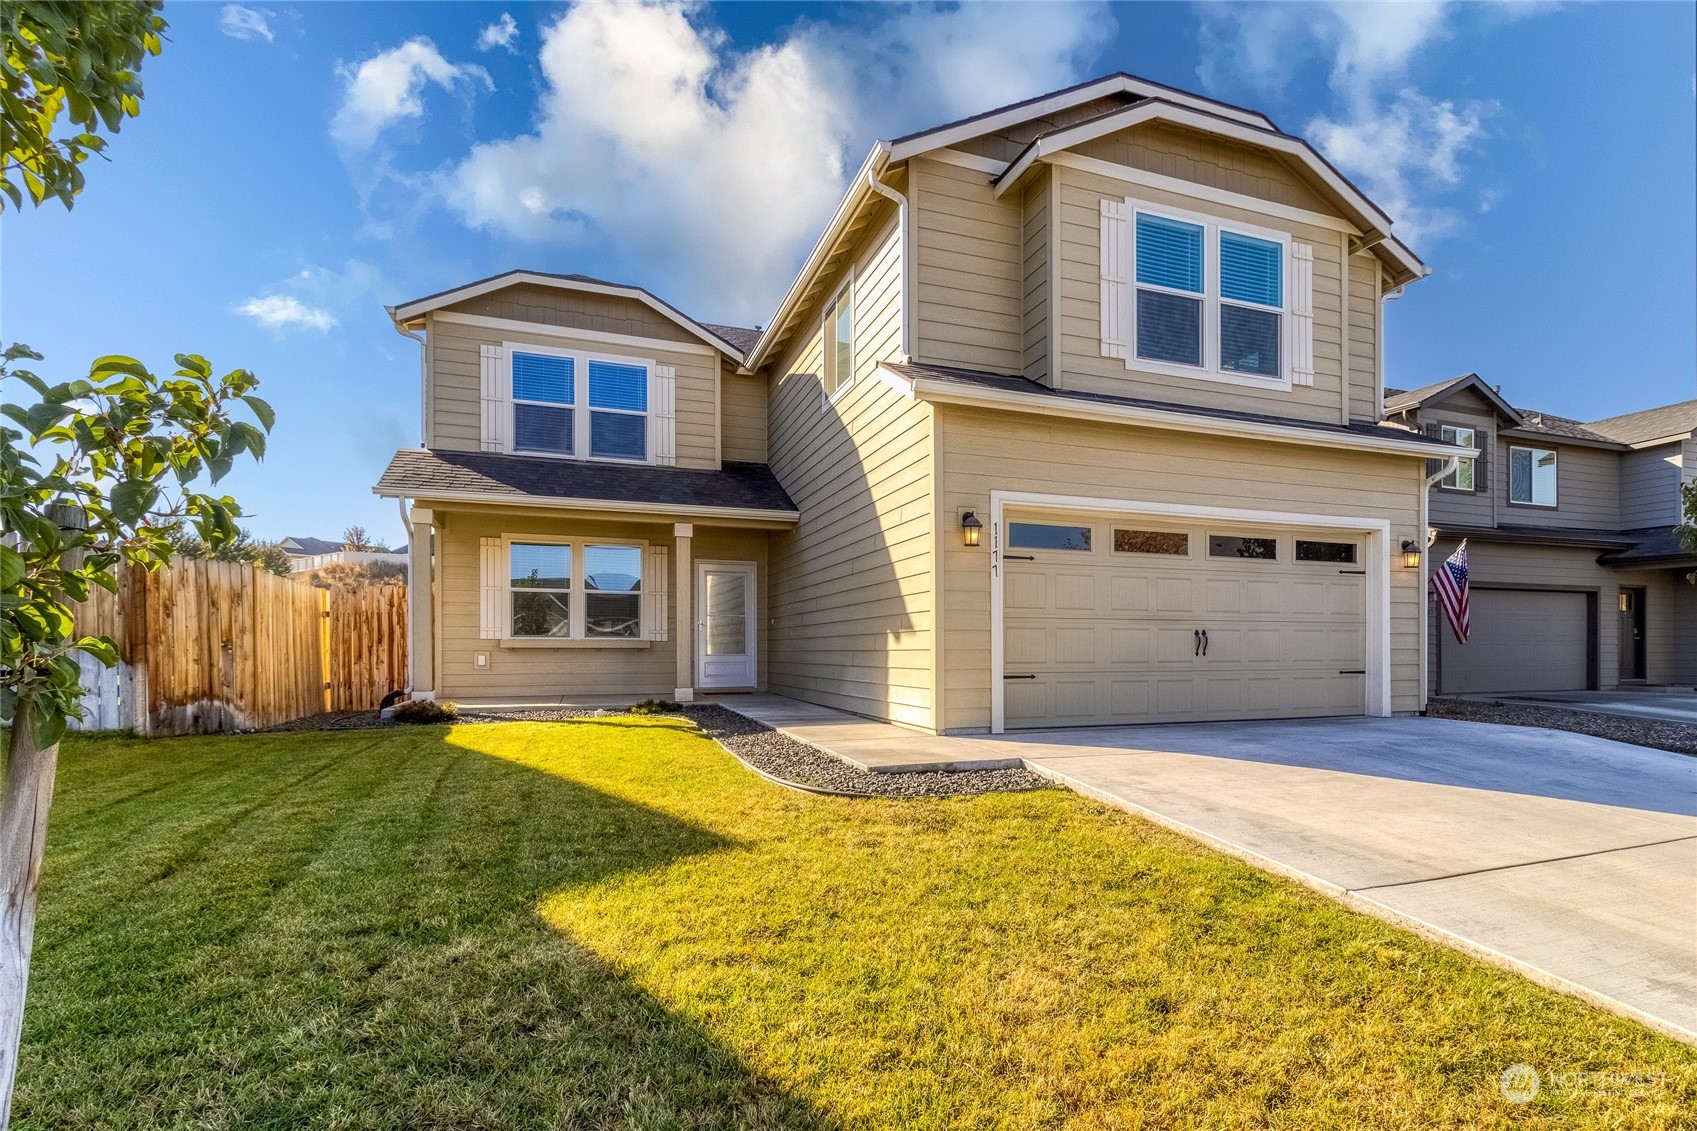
542	428
1250	270
1169	327
542	377
1169	253
1249	341
612	385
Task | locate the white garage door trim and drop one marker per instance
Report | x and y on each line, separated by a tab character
1377	563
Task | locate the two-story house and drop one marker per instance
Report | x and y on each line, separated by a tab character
1577	579
1073	415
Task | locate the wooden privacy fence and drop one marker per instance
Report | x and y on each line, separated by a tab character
222	646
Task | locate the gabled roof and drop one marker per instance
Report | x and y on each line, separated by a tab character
308	547
1373	222
939	137
1418	398
409	311
1549	424
1665	423
742	337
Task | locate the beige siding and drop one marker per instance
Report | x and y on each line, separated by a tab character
1038	220
852	613
1173	151
532	673
742	415
1649	487
980	451
968	254
606	314
1587	486
1082	366
456	389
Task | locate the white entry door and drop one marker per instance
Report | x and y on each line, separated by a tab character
726	630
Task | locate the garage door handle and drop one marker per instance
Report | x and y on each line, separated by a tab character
1019	677
1197	633
1352	671
1204	642
1019	557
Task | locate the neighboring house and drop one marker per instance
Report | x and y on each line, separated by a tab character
308	554
1577	579
1073	415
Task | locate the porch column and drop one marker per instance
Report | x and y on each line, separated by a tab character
685	597
421	624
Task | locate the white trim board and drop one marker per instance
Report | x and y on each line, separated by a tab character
550	330
612	508
1377	564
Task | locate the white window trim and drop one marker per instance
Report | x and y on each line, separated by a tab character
831	382
1471	442
1508	478
1210	369
580	403
578	600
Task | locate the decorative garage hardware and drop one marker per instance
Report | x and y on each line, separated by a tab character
1352	671
1410	554
1201	641
1033	676
1019	557
970	528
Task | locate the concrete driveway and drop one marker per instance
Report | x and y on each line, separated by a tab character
1569	858
1633	703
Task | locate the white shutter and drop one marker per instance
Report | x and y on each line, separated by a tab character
1302	314
1116	279
663	415
492	582
655	610
494	403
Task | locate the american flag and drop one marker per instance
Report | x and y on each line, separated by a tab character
1449	581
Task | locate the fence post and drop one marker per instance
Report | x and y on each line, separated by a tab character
324	642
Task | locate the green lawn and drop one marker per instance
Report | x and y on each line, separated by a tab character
610	923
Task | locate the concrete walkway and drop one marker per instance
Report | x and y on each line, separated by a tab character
1570	859
1673	705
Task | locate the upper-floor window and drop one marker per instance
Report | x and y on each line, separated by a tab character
839	342
1209	296
1532	476
572	403
1462	477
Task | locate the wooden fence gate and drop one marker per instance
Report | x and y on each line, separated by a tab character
222	646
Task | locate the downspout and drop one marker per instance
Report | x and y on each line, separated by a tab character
406	517
1427	537
878	186
423	380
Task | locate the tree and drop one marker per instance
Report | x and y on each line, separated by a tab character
268	556
1687	530
358	575
78	61
354	538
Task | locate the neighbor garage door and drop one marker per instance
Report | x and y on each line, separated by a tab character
1518	640
1130	620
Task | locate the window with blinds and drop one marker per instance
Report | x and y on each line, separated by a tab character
544	389
1169	290
571	403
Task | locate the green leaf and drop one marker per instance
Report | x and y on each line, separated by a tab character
47	719
101	648
132	498
262	411
12	567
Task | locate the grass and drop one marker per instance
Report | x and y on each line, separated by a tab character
609	923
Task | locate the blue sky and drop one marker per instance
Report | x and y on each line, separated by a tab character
296	167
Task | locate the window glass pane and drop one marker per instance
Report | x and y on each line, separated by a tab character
1169	253
539	428
542	377
1231	546
618	435
612	569
1543	477
727	614
618	386
541	567
1251	270
1249	341
1041	536
1520	475
1150	542
1342	552
842	333
1461	479
1169	328
541	613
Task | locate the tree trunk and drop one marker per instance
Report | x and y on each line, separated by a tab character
27	794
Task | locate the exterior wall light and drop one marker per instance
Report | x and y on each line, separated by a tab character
970	528
1410	554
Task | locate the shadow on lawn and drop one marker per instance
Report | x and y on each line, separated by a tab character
322	930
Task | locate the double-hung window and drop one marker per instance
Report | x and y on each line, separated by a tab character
568	403
543	602
1208	298
1462	478
1532	476
839	342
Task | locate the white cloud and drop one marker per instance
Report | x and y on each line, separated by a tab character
387	87
1405	149
708	171
501	33
246	23
285	312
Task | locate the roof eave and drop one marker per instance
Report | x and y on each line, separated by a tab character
550	502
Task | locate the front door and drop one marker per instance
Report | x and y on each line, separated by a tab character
1631	633
725	625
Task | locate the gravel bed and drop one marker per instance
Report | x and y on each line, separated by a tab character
755	743
1681	738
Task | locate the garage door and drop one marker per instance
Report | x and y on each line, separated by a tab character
1126	621
1518	640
